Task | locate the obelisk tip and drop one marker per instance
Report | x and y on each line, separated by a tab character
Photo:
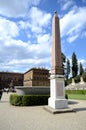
55	12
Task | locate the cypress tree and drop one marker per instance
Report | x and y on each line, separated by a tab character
74	65
67	68
81	69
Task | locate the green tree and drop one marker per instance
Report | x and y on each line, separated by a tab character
81	70
74	65
77	79
63	62
67	68
84	76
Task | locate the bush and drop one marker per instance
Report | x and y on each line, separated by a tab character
28	100
68	81
75	91
15	100
66	96
84	76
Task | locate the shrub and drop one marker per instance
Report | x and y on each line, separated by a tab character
15	100
28	100
66	96
75	91
68	81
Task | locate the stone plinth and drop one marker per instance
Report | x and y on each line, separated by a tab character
57	94
82	81
73	81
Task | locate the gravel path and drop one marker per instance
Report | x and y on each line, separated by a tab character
36	118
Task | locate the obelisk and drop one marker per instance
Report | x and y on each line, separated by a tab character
57	93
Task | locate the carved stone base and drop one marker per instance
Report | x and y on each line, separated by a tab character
58	103
57	92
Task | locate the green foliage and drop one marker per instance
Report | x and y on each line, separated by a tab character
84	76
66	96
77	96
77	79
68	81
74	65
67	68
63	62
28	100
75	91
81	69
15	100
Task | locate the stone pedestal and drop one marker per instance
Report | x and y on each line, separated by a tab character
57	93
82	81
73	81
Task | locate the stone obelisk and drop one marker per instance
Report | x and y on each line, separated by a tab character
57	93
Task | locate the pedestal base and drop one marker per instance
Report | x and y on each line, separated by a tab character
57	92
58	103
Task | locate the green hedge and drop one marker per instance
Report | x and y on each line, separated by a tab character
75	91
28	100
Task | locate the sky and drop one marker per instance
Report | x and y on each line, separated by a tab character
26	32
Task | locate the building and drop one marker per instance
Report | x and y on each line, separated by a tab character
36	77
6	78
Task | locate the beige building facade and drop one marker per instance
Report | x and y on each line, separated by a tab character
36	77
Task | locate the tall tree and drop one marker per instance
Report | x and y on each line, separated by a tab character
74	65
63	62
67	68
81	70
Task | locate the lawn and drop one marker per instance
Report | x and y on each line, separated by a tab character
77	96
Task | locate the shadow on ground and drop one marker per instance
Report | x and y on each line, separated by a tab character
72	102
80	109
4	101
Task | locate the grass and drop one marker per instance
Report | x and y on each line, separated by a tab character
77	96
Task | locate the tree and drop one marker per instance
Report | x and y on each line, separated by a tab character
84	76
74	65
81	70
63	62
67	68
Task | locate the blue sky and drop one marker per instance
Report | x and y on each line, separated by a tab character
26	32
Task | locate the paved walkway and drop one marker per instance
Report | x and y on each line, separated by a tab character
36	118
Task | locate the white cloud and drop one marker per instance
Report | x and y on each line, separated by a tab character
45	39
38	20
73	23
17	54
67	4
8	29
72	38
42	48
83	61
16	8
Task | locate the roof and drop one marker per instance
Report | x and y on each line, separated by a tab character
10	73
36	69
